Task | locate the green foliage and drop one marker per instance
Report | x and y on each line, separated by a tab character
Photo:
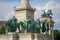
56	34
2	30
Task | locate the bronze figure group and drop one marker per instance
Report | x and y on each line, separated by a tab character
29	25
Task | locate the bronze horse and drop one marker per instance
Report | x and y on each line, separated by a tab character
48	13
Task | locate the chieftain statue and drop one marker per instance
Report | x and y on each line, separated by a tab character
45	26
12	25
29	25
38	26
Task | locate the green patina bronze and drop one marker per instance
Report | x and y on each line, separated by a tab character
26	24
38	26
30	25
45	26
12	25
49	12
46	14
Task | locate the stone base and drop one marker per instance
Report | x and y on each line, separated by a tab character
25	36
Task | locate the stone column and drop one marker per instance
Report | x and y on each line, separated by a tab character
51	29
52	33
24	1
41	28
24	11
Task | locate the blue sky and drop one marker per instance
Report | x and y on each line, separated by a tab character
7	9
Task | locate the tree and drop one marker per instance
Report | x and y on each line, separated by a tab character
56	35
2	30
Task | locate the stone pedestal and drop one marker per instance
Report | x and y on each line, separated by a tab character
25	36
24	11
51	24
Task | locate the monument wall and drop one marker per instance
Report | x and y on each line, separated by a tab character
25	36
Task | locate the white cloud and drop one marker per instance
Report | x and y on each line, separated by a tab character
7	9
9	15
57	20
55	7
37	12
52	5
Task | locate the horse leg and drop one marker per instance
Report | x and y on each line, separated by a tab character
19	29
